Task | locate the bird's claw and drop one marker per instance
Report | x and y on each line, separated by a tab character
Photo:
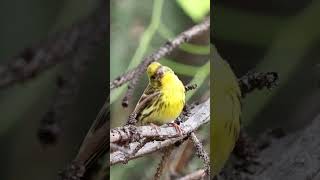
177	127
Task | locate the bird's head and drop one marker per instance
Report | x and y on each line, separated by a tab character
157	73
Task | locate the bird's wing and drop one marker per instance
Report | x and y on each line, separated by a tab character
147	97
96	141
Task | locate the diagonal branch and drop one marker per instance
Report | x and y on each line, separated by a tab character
201	152
34	60
163	163
161	52
199	116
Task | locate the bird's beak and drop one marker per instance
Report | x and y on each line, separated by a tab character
160	72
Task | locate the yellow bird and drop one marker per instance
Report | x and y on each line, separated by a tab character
163	99
226	111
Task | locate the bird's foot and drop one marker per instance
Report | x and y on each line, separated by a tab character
177	127
156	127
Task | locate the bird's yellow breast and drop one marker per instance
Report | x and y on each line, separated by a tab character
226	111
171	103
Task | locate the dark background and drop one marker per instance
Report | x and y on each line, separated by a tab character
281	36
23	105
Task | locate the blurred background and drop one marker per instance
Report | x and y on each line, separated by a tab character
280	36
24	105
139	28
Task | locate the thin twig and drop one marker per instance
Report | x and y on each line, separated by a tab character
190	87
164	160
161	52
201	152
257	80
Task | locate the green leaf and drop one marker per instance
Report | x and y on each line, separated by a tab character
195	9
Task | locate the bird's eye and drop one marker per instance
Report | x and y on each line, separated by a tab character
153	77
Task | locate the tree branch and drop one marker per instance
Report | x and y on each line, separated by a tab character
292	157
201	152
162	51
199	115
257	80
296	160
163	163
34	60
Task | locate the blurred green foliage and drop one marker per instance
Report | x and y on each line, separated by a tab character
280	37
197	10
140	29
